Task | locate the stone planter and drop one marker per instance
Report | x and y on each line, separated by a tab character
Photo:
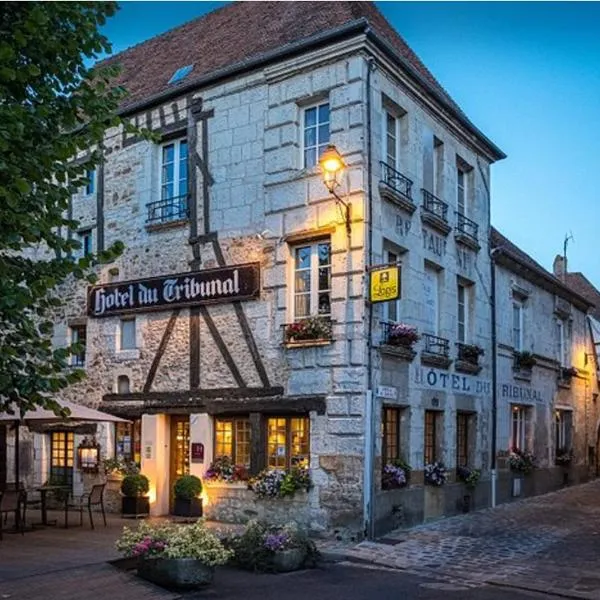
285	561
137	506
434	502
187	507
182	573
113	482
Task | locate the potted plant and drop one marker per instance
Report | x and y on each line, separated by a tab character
311	329
223	469
187	496
435	474
470	353
525	360
269	548
135	501
276	483
395	474
521	461
401	334
470	477
563	457
181	556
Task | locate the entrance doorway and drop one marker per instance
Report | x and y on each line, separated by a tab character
2	457
180	452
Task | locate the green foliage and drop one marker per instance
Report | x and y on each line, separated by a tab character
54	109
120	466
188	487
135	485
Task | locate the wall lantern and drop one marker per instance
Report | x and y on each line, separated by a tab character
88	453
332	167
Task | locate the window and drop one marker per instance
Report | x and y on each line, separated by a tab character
128	441
312	280
463	313
438	166
127	334
517	327
85	239
173	181
462	439
517	439
391	140
316	133
564	331
232	439
431	437
90	187
431	301
62	444
287	442
461	191
391	434
562	431
392	308
78	336
123	386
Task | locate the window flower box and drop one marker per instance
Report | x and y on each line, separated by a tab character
395	474
277	483
563	457
223	469
525	360
521	461
435	474
312	331
567	373
401	334
468	358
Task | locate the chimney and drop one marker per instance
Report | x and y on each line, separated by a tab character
560	266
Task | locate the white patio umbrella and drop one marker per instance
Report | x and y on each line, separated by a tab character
79	413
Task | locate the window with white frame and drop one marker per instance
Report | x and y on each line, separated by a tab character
391	309
518	424
560	430
312	280
391	140
462	312
78	336
90	187
517	325
173	182
127	339
563	342
316	133
85	239
461	191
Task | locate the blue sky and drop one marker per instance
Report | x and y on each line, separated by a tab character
526	73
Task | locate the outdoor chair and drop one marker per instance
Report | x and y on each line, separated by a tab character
95	497
10	502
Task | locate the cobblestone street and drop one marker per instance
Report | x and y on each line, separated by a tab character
550	544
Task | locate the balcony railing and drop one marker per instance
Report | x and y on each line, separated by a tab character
436	345
432	204
466	226
396	180
168	210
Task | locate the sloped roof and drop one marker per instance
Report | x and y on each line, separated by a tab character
580	284
243	33
510	251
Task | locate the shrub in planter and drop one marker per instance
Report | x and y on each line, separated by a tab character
187	496
525	360
470	353
120	466
183	556
264	547
135	500
521	461
311	328
395	474
469	476
435	474
223	469
276	483
401	334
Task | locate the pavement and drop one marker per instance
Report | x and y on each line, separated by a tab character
544	547
548	544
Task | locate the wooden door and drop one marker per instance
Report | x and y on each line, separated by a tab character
179	451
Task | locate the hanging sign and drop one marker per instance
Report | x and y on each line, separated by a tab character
385	284
210	286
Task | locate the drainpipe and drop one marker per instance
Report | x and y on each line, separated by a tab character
494	473
370	431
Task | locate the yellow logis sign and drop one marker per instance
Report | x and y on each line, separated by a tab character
385	284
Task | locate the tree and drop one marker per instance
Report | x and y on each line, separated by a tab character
53	108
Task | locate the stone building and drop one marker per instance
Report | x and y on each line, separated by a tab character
231	236
547	374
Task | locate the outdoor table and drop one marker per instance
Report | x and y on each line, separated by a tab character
43	490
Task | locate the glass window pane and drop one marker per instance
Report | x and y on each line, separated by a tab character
324	251
324	304
324	278
183	149
299	428
168	153
242	442
310	157
310	117
324	113
302	305
302	282
276	442
303	258
323	134
310	137
128	334
224	438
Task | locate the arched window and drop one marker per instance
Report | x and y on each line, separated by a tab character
123	384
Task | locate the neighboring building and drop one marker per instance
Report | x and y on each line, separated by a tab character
548	407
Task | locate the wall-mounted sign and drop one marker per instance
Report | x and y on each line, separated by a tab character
387	392
520	393
436	379
148	450
210	286
385	284
197	452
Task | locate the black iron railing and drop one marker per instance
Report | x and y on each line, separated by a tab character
167	210
466	226
396	180
432	204
436	345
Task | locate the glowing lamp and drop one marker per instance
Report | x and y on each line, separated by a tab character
332	166
89	455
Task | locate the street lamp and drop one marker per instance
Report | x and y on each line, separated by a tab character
332	167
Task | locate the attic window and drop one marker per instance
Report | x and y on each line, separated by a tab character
181	73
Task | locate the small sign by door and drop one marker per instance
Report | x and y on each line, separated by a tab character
197	452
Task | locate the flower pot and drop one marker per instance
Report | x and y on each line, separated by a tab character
135	506
188	508
288	560
183	573
113	482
